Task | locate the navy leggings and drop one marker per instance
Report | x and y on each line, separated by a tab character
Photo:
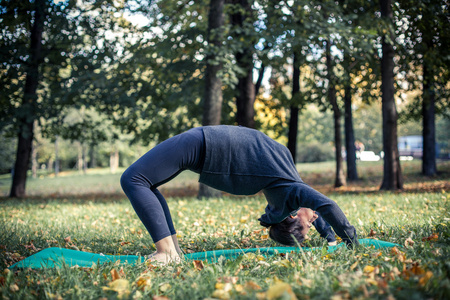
157	166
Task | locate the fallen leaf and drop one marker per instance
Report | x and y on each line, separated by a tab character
164	287
143	282
416	269
160	298
14	288
377	254
114	274
250	285
280	289
409	242
368	269
221	294
425	278
230	279
434	237
198	264
120	286
227	286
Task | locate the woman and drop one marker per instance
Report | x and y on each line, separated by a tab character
236	160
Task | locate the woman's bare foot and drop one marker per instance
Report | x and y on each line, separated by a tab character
164	258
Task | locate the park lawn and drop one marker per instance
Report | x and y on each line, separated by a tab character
416	269
418	220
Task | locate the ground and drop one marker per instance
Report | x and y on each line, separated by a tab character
89	213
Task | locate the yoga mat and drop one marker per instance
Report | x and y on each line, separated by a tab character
57	257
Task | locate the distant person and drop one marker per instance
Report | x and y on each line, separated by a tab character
239	161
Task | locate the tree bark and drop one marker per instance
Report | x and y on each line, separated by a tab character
28	107
56	156
294	108
245	93
429	128
213	97
92	157
34	163
84	158
113	160
352	172
340	177
392	177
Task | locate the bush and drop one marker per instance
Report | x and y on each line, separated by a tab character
315	152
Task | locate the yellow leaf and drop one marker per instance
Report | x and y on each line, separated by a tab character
14	288
221	294
368	269
425	278
164	287
227	286
143	282
282	263
244	219
280	289
120	286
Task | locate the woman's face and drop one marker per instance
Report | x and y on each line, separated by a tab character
306	217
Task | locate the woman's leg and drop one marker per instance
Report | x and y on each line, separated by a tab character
156	167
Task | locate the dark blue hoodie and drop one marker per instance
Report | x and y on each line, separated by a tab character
244	161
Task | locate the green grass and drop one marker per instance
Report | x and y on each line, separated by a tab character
104	222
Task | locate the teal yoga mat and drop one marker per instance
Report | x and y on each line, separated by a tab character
56	257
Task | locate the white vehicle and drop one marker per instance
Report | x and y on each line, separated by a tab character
368	156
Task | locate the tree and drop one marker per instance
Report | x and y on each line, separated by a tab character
213	84
25	121
392	176
424	51
357	48
294	108
352	171
340	178
243	32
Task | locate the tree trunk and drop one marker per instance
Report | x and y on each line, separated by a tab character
245	94
34	163
213	98
56	156
293	120
50	165
352	172
84	158
429	129
28	107
114	160
79	158
340	178
392	178
92	157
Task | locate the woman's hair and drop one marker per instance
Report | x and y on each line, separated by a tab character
288	232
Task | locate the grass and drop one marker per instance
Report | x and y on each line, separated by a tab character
86	213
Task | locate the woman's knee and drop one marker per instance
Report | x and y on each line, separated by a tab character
126	180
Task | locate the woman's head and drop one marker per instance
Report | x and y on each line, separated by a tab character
292	230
